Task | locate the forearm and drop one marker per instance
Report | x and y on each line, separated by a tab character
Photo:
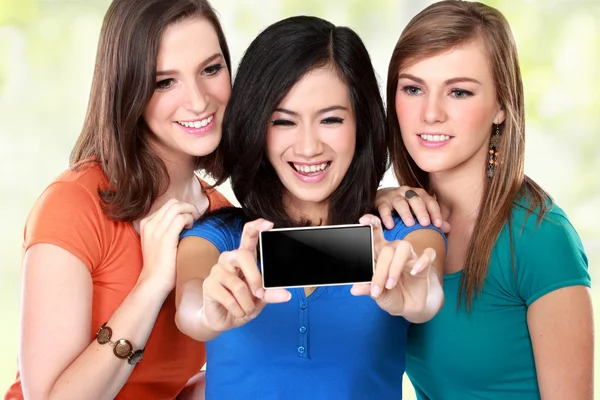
97	373
189	317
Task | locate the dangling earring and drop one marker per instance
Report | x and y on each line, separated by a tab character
493	154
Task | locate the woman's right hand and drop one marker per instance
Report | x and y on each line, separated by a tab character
159	234
233	294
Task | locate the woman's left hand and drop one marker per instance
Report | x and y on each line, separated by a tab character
404	283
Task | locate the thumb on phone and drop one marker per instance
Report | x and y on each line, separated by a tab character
378	240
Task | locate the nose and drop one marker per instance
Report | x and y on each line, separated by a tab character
433	109
308	143
197	98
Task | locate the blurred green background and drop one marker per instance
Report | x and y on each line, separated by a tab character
47	51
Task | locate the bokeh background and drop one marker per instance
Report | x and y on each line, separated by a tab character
47	51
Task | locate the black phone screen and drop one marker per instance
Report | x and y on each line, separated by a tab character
316	256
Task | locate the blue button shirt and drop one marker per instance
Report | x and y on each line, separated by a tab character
330	345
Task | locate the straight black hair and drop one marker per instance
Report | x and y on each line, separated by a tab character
278	58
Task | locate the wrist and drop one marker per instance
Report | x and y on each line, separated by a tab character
206	331
151	290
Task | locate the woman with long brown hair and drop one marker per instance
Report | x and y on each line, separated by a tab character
517	321
100	242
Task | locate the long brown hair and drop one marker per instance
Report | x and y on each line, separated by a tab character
440	28
114	133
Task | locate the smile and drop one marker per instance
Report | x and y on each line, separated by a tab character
434	138
200	123
311	169
310	173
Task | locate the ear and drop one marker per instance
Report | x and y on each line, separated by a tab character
500	116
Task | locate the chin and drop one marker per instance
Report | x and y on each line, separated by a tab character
309	196
205	148
430	164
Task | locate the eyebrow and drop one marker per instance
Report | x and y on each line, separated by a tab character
321	111
447	82
202	66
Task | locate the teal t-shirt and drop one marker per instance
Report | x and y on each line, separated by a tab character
487	353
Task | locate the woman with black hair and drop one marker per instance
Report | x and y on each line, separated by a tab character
304	144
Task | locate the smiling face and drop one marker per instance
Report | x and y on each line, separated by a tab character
446	107
193	86
311	140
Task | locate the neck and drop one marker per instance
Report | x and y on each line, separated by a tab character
183	183
459	191
298	210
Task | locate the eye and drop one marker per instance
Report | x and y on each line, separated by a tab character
332	120
460	94
165	84
282	122
214	69
411	90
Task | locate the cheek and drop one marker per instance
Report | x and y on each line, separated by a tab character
160	107
220	88
407	111
274	145
343	140
473	117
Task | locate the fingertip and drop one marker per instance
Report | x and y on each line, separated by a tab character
391	282
260	292
446	227
432	255
267	225
438	222
375	291
359	289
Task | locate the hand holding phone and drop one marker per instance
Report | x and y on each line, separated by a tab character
401	280
233	293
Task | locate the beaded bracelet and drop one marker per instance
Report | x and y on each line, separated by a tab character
122	348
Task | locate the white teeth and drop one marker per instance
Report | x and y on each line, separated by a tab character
310	168
196	124
435	138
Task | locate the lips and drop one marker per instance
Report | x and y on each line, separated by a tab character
310	173
197	127
310	169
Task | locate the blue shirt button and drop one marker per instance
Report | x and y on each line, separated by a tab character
301	349
302	329
303	305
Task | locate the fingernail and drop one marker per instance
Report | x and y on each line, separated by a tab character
416	269
424	221
375	291
289	296
391	282
259	293
410	222
438	222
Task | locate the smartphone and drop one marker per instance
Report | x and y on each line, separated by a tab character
316	256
